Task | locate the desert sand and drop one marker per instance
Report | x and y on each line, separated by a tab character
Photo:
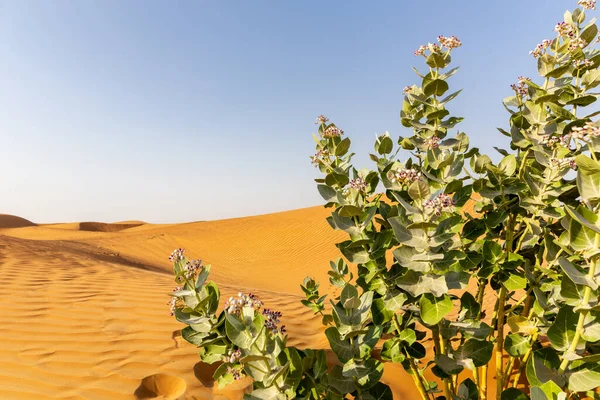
84	311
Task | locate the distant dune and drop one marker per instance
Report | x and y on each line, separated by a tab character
84	310
106	227
12	221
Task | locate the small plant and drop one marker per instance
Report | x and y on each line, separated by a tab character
451	229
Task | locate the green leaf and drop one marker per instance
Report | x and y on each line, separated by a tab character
394	299
385	146
416	283
558	71
374	371
513	394
588	177
480	352
562	330
342	147
419	190
515	282
391	351
435	87
591	78
368	340
492	251
584	217
380	391
349	211
381	314
589	34
516	345
236	331
469	305
447	364
328	194
508	165
335	179
349	297
468	390
202	276
341	347
409	237
434	309
584	377
339	382
407	335
575	275
436	60
583	100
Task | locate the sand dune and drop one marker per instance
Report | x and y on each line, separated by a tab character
12	221
104	227
84	313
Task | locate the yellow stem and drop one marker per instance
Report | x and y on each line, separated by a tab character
500	343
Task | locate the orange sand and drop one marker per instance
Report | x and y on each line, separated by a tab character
84	313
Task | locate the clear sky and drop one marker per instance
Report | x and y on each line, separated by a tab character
171	111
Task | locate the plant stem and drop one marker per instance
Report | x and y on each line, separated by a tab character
500	343
508	370
521	300
483	387
417	378
441	348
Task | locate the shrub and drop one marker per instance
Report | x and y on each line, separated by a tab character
451	229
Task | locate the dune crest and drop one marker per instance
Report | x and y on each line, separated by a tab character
12	221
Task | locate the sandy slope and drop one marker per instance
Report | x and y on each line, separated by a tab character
84	314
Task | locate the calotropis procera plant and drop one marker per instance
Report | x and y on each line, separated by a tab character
461	229
451	230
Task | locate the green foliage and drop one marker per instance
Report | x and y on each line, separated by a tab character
449	222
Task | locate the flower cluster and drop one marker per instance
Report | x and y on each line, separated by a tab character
191	267
176	255
407	89
520	88
584	63
585	132
587	4
235	304
564	162
554	142
541	48
404	175
451	42
233	356
319	156
564	30
577	43
272	321
432	142
421	50
172	305
332	131
359	184
237	374
440	203
321	119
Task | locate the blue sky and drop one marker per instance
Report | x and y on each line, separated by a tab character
198	110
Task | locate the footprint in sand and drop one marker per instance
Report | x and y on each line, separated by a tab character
160	386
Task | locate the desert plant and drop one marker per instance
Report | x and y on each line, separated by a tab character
451	229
